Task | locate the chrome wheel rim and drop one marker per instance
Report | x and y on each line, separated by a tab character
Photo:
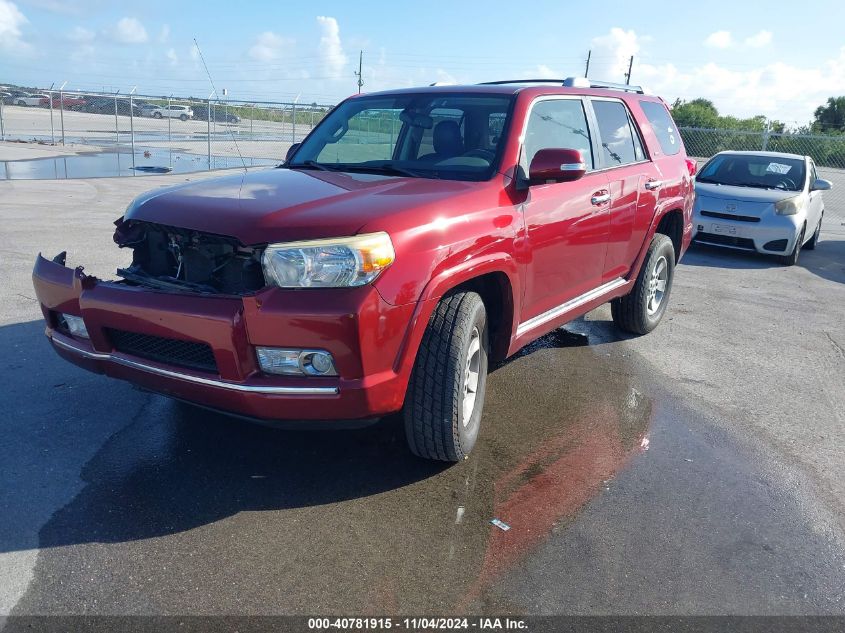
657	285
471	375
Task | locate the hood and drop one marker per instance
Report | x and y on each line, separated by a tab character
276	205
742	194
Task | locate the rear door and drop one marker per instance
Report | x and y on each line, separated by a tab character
633	180
567	223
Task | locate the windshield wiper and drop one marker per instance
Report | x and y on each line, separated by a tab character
709	181
311	164
385	168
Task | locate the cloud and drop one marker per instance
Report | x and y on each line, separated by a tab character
81	35
270	46
11	21
164	34
612	53
172	56
777	90
759	40
129	31
331	50
719	39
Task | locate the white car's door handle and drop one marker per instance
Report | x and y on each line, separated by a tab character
653	184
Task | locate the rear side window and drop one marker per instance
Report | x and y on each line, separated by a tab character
663	127
617	136
560	124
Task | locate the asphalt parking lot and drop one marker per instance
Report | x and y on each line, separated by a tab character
697	470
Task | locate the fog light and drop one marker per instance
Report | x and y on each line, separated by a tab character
295	362
75	325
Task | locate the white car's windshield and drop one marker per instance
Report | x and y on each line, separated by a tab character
748	170
451	136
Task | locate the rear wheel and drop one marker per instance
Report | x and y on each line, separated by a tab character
445	395
792	258
811	245
156	115
642	309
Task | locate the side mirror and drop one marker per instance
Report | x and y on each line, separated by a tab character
821	185
556	165
291	151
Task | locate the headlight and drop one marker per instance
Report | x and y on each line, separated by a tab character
789	206
331	263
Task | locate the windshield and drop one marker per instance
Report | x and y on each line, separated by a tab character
453	136
761	172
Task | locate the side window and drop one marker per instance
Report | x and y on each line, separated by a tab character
617	135
663	126
557	123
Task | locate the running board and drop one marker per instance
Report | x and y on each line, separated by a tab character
587	297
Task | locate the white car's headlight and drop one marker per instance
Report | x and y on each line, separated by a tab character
789	206
330	263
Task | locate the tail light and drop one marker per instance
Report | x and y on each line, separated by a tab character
692	166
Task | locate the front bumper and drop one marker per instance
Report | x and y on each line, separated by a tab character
363	333
773	234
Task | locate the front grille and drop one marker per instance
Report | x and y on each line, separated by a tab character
164	350
725	240
730	216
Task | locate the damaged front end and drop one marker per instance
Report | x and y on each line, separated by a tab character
184	260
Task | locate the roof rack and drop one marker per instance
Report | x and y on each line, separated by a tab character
570	82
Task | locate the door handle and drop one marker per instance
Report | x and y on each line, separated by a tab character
600	197
651	185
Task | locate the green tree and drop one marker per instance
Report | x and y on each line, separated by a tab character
831	116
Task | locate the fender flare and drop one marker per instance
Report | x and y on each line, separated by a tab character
439	285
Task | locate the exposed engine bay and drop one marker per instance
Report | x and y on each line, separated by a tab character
168	258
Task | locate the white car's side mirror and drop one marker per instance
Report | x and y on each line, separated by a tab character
821	185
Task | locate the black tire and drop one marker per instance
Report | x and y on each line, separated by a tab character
792	258
183	117
434	404
156	115
811	245
633	312
22	103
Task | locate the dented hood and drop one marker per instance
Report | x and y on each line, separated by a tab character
277	205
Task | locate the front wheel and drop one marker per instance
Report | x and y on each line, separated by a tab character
792	258
156	115
445	395
183	117
642	309
811	245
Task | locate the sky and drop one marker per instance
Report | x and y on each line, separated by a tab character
749	57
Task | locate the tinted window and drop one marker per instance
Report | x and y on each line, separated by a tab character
557	123
663	126
617	136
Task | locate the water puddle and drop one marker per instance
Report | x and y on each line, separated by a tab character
121	162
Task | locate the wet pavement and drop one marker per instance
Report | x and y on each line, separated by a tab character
619	499
121	161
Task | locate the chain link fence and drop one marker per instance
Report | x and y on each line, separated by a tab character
148	133
828	153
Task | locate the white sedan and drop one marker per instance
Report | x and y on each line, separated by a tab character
30	99
767	202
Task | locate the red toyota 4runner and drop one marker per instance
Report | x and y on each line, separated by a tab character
412	238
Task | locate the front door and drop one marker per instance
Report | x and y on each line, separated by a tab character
566	223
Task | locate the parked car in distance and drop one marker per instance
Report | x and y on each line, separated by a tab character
147	109
766	202
377	272
174	112
107	105
70	101
30	99
219	114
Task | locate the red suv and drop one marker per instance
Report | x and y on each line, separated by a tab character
411	239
